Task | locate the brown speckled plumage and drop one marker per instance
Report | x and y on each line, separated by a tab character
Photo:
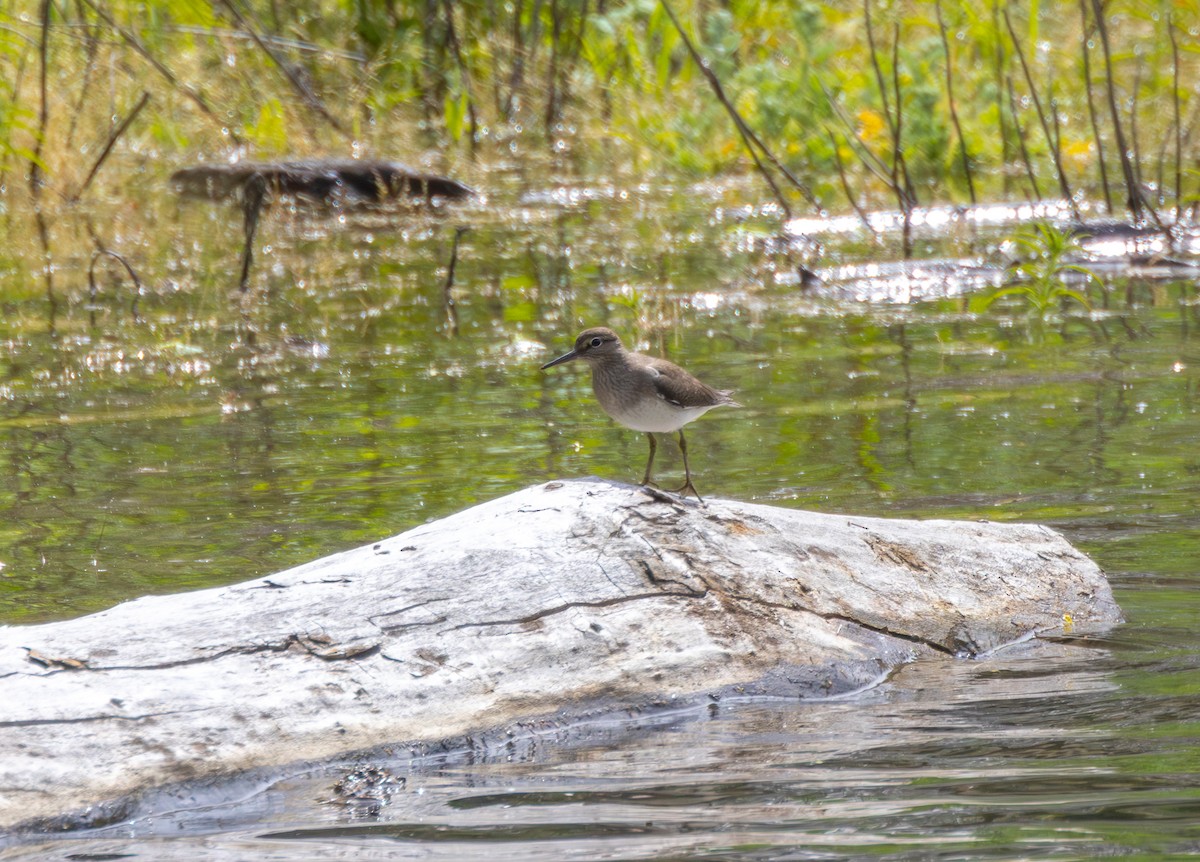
643	392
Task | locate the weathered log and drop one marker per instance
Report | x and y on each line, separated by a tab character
323	181
318	183
558	598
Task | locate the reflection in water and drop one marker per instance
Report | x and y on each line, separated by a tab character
1040	748
215	438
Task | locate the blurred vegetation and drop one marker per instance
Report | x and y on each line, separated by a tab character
896	103
1045	273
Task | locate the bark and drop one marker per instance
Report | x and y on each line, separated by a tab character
553	600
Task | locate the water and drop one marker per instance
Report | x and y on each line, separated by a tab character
206	439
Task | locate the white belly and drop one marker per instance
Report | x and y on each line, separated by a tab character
654	415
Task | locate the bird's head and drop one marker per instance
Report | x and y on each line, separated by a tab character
592	345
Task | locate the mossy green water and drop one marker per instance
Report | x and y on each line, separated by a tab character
209	437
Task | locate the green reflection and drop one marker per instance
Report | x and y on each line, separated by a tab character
208	439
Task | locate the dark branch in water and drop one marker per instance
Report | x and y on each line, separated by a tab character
301	87
162	70
1012	101
106	252
448	288
962	140
866	157
1051	141
463	72
1091	106
898	180
35	162
837	156
749	138
320	181
254	195
112	140
1135	201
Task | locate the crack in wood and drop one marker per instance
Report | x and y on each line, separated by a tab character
558	609
843	618
374	618
280	646
688	589
89	719
328	653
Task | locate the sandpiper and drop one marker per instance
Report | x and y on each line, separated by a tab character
644	393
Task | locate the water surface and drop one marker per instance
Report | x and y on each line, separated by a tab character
204	438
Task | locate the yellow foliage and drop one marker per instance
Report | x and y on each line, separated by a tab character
870	124
1078	152
269	132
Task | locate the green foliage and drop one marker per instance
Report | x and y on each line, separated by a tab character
269	131
1041	277
17	122
401	75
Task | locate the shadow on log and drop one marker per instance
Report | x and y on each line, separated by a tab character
320	184
559	599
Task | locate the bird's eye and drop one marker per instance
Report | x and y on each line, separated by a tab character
596	341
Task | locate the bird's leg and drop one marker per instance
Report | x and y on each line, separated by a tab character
646	480
687	473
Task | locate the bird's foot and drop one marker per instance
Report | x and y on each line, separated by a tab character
660	496
685	487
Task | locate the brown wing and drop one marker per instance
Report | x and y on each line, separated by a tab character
676	386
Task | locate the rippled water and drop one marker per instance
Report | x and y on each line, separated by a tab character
206	440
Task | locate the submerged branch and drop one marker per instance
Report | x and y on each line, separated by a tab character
112	140
749	138
1051	140
962	140
136	44
1012	101
36	179
837	155
100	252
301	87
448	287
1091	106
1134	201
1178	123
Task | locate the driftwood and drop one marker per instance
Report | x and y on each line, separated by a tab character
321	181
560	598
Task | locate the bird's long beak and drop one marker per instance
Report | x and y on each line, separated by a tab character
566	357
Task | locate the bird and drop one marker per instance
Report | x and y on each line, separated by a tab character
645	393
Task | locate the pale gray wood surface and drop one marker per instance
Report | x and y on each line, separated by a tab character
551	599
